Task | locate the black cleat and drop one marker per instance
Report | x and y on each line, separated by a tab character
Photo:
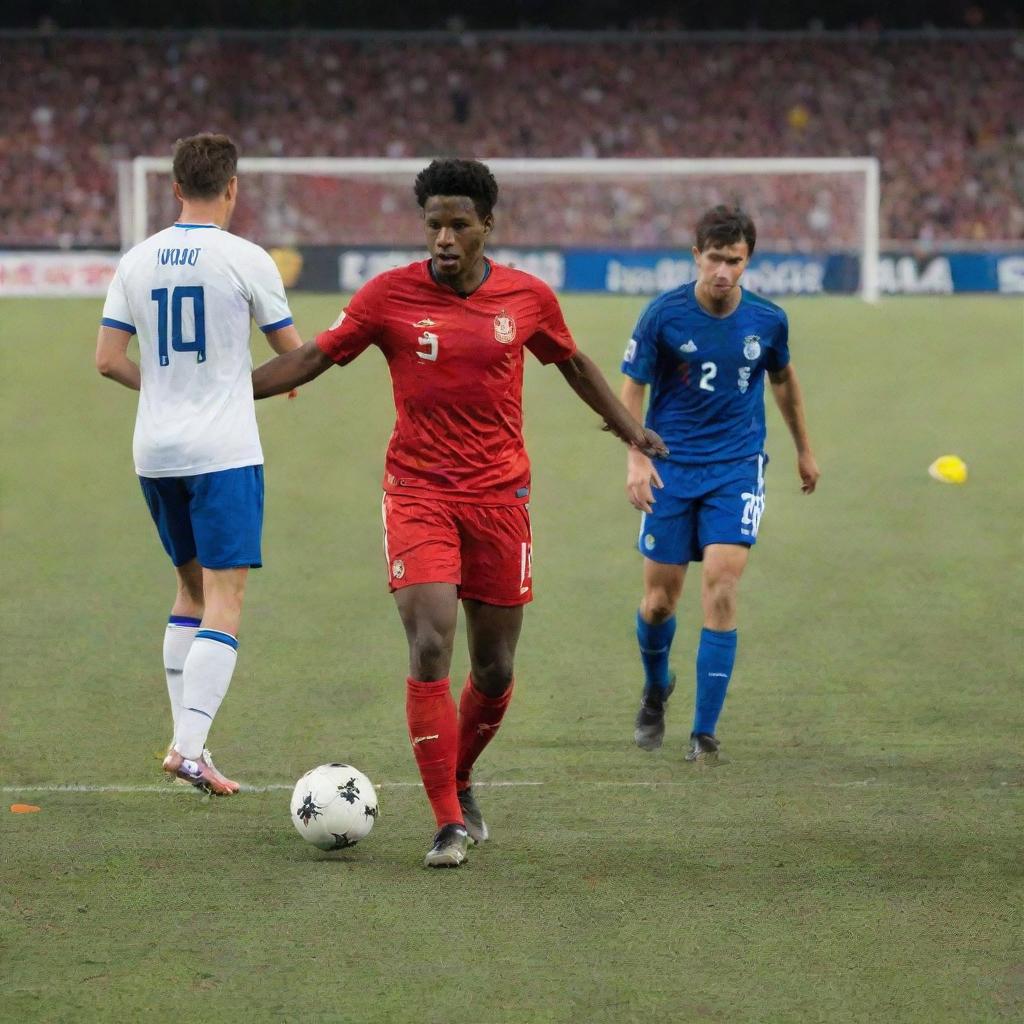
649	728
703	750
473	816
449	849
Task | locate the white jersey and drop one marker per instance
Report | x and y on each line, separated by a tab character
189	292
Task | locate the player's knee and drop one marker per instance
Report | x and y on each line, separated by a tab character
494	676
720	593
430	655
225	602
658	606
190	583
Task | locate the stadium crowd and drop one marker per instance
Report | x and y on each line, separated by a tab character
945	115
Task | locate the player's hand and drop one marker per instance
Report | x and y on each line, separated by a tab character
650	444
641	479
807	467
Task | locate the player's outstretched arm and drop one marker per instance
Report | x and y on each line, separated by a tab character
789	398
289	370
112	358
588	382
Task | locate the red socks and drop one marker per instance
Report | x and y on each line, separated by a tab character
433	732
479	718
445	744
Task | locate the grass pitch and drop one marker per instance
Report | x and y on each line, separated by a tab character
860	858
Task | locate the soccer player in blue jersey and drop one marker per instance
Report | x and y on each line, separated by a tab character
704	350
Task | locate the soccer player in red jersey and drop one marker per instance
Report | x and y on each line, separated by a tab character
454	330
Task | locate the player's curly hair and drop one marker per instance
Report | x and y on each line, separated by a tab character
726	225
453	177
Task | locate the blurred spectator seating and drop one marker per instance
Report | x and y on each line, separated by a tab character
945	115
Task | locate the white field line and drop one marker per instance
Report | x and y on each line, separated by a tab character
282	787
171	787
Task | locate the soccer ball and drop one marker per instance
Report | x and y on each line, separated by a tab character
334	806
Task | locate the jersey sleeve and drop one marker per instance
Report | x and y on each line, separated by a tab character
267	301
358	326
777	357
116	311
551	342
641	356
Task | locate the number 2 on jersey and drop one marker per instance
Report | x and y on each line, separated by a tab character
708	372
177	300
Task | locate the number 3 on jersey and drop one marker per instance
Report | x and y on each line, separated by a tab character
429	341
177	300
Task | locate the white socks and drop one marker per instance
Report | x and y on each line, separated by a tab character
178	637
206	677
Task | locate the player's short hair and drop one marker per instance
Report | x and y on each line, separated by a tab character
453	177
725	225
204	164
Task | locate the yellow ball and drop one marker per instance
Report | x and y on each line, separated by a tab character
949	469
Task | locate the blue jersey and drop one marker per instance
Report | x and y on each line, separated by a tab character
706	373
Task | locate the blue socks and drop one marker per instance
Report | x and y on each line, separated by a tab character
655	643
716	656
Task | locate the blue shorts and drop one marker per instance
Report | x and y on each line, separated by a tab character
216	518
716	503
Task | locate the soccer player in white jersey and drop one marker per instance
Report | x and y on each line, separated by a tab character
189	293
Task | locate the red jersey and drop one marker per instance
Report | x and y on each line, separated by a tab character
457	374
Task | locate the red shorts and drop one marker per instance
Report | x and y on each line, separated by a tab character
485	550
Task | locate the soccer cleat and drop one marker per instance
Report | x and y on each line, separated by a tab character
207	758
202	773
649	728
703	750
473	816
449	850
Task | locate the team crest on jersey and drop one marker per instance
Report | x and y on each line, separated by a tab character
397	569
751	346
504	328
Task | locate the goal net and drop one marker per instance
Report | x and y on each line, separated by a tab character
803	207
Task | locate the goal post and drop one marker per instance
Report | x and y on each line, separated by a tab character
801	205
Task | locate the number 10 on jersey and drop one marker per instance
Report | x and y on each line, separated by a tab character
174	307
